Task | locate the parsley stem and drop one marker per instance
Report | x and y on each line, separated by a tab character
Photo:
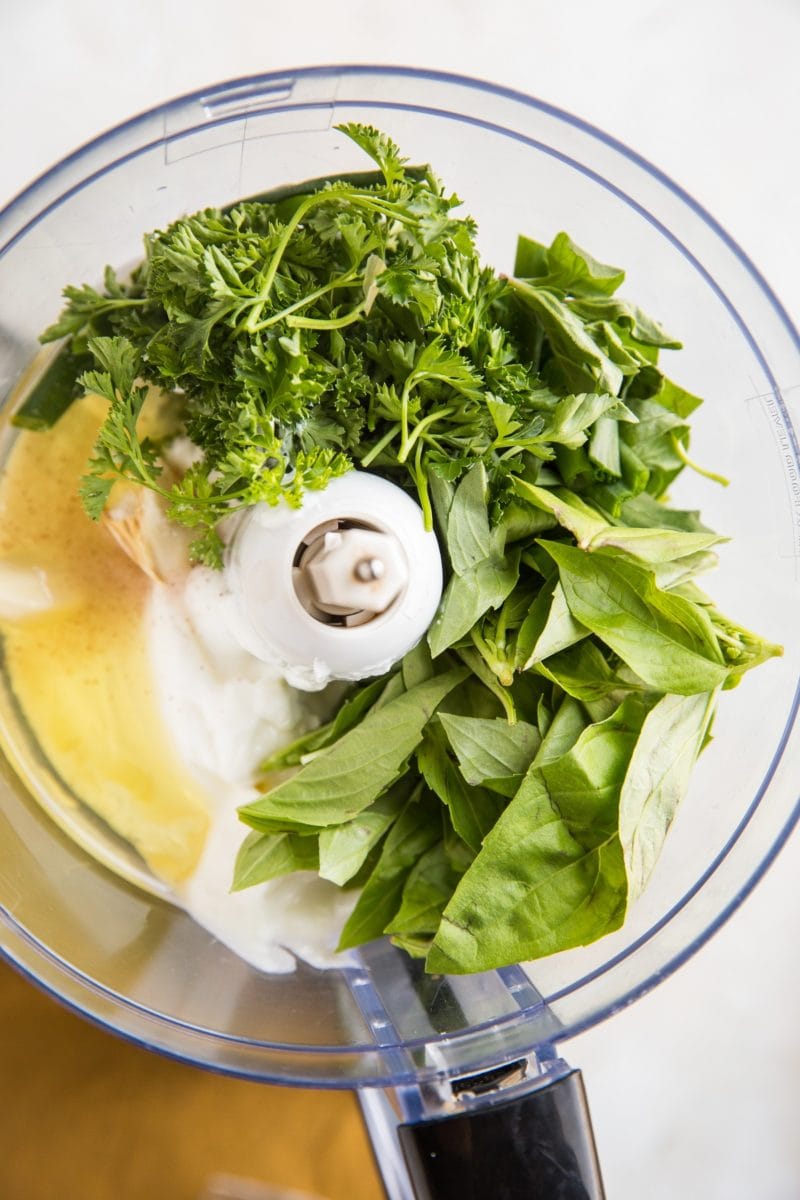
684	457
343	281
213	501
380	445
280	249
405	450
387	208
407	386
421	477
333	323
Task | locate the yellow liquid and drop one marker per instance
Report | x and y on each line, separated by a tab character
80	669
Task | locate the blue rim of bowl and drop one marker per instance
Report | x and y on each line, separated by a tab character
337	70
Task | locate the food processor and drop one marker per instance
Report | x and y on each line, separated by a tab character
462	1080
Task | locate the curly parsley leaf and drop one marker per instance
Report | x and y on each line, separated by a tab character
379	146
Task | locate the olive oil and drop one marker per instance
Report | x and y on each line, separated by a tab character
76	653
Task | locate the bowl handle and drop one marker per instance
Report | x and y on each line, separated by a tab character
537	1146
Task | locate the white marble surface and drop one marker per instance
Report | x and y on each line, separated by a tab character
695	1088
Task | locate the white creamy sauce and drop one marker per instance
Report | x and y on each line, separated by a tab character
225	710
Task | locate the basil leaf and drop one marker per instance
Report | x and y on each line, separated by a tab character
567	725
582	521
522	521
627	354
604	446
482	671
586	780
347	716
592	532
459	854
343	849
665	639
538	641
657	778
544	719
266	856
743	650
491	751
468	597
644	511
654	545
621	312
416	666
635	476
677	575
548	891
569	339
534	623
414	832
653	442
582	672
565	266
427	890
473	810
341	782
553	864
394	687
469	539
415	946
676	398
442	493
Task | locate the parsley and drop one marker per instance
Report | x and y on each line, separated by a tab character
354	325
349	325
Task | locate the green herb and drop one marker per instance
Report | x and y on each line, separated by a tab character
358	768
551	874
473	810
343	849
505	792
427	889
263	858
354	324
491	752
669	641
672	736
548	628
417	828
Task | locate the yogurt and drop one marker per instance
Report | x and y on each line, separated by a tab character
225	711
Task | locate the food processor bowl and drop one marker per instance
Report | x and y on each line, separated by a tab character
122	954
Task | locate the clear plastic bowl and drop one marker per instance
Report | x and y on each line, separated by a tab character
131	961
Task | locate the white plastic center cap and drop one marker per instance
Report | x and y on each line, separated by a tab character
341	588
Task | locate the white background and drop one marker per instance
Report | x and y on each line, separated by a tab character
694	1089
